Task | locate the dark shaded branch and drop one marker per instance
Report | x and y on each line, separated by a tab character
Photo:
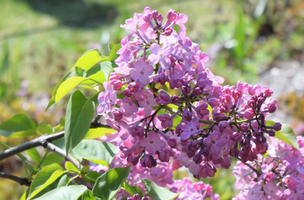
30	144
21	181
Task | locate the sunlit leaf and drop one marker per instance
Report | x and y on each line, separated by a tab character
78	118
44	178
158	193
71	192
66	84
98	132
89	59
99	77
286	134
96	151
176	121
18	126
109	183
70	167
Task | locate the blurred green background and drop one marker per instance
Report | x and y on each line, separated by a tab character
40	40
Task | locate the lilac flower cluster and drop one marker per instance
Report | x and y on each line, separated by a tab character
170	110
193	191
279	176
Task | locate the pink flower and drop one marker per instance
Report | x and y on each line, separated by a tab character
146	101
188	128
141	72
253	193
127	106
166	120
106	99
215	142
160	55
152	143
272	190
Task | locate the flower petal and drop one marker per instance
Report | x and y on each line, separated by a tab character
150	149
155	49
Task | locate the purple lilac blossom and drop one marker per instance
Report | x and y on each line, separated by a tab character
174	111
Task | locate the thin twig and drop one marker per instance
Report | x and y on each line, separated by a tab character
30	144
21	181
252	168
44	141
62	153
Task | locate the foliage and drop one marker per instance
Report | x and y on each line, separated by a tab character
167	112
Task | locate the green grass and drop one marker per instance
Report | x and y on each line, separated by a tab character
46	41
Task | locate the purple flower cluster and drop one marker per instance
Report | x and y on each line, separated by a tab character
170	110
279	176
193	191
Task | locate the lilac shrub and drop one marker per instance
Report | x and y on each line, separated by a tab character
170	110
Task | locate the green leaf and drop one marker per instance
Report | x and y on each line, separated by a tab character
45	128
95	75
44	178
88	195
111	45
96	151
176	120
66	84
98	77
70	167
91	176
18	126
34	154
85	169
210	111
63	181
71	192
89	59
78	118
98	132
132	189
158	193
4	66
286	135
60	126
3	90
108	184
113	54
52	158
106	68
23	197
